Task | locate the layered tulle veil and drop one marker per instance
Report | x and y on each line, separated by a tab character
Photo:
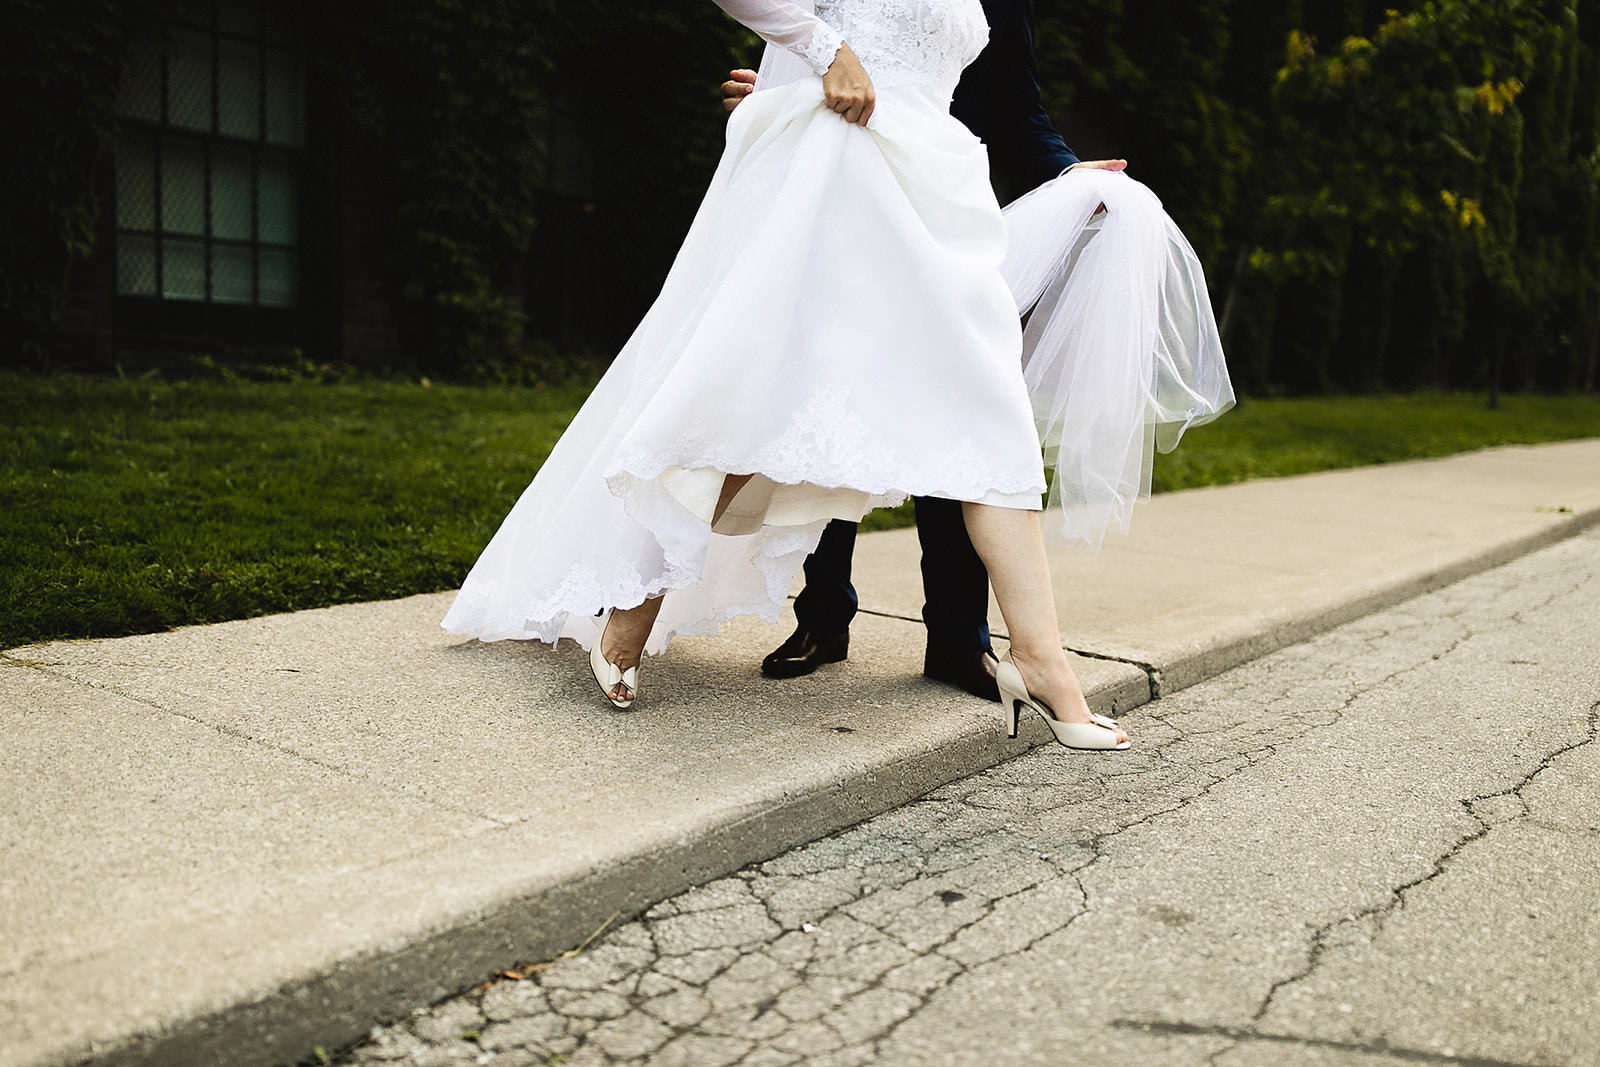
1121	351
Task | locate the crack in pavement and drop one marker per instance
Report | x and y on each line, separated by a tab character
1378	1047
60	673
945	813
1153	677
827	954
1378	913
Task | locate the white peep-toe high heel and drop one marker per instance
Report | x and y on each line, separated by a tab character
608	674
1098	735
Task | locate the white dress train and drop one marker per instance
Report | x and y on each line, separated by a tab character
873	357
837	324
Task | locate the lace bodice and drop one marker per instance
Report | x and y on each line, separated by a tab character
921	43
925	43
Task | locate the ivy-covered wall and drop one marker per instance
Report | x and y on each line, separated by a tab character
516	173
1384	198
498	121
60	65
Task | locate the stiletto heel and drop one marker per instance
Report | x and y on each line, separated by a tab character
1097	735
608	674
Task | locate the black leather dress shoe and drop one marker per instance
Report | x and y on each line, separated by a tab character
804	652
972	671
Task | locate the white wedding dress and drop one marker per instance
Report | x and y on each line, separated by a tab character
836	324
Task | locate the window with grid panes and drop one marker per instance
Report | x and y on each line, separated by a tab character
208	167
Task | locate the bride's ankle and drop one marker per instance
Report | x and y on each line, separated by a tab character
1045	665
625	635
1050	678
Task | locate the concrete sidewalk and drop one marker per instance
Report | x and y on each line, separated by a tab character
236	842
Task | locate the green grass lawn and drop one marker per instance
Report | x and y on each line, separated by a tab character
131	506
1271	438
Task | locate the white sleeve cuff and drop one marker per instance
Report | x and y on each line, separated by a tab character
820	51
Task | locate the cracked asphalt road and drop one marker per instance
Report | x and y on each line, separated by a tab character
1378	847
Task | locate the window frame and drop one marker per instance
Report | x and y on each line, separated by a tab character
162	312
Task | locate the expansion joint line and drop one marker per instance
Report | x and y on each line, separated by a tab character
64	673
1151	671
1237	1036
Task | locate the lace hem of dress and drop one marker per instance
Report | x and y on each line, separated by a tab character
778	555
776	552
972	482
828	445
582	588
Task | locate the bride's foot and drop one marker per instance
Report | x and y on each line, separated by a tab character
1048	684
617	653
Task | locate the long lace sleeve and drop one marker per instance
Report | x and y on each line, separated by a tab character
790	26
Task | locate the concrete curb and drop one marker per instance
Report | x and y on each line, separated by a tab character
339	1005
345	1002
1232	650
335	999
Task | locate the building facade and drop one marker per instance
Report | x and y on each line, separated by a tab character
243	212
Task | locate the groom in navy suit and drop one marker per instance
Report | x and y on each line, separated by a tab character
998	99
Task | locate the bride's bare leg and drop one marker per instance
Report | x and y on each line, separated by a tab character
1011	545
623	641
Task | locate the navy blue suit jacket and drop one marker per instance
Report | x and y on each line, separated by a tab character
998	99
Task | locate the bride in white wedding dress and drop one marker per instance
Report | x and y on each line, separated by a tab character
834	335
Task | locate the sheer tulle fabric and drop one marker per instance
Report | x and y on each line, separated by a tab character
1120	352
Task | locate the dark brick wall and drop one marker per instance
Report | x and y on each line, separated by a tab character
85	336
369	329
